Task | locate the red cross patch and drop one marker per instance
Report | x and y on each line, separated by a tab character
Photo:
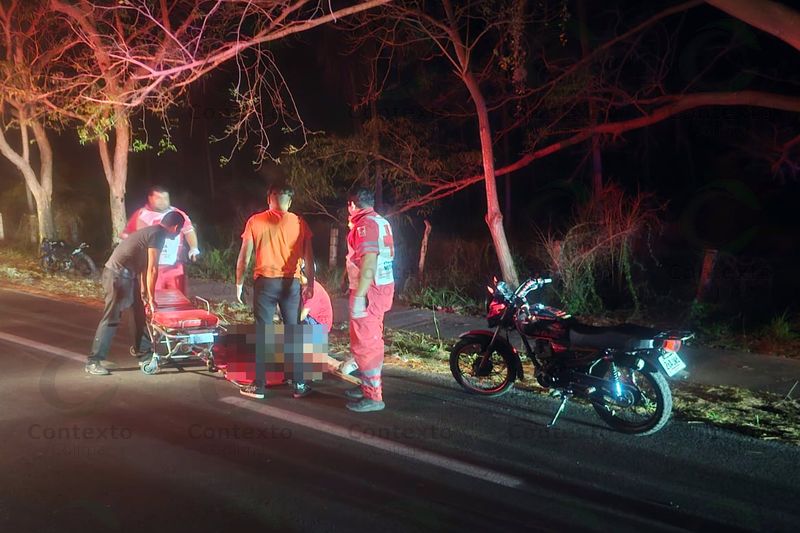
362	231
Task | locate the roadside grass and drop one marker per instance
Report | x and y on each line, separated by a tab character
446	299
758	414
232	313
21	270
215	264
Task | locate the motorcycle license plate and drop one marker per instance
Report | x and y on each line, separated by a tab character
671	363
201	338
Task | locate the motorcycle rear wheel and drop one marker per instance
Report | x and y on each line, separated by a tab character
644	417
83	265
495	377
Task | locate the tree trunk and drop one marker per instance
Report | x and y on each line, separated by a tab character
423	250
116	172
23	133
597	160
41	186
706	275
494	218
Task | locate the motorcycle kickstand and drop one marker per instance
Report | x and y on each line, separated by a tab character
564	399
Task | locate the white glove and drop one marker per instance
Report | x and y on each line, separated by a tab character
194	253
239	289
359	309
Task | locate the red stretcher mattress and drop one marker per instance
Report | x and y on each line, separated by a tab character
172	300
175	311
185	318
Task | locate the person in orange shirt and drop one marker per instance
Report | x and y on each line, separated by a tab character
280	240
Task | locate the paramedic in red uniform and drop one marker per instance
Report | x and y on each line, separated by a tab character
370	253
171	273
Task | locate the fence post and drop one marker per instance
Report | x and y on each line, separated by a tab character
333	247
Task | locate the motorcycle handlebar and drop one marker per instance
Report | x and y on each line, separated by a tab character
530	285
524	288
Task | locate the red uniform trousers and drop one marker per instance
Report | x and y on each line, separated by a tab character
366	339
172	277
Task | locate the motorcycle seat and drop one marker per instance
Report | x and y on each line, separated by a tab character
620	337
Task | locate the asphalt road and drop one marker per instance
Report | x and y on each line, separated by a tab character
183	451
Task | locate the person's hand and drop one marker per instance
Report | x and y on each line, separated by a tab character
359	308
308	291
194	253
149	306
239	290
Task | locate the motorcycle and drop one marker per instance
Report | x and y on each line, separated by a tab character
56	256
621	370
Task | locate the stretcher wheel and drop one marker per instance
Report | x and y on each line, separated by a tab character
210	366
151	367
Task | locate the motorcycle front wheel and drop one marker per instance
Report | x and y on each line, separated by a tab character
644	415
47	264
487	376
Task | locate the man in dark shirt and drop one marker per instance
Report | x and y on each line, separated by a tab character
136	256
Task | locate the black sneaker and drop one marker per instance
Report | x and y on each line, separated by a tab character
301	390
253	390
365	405
95	368
138	355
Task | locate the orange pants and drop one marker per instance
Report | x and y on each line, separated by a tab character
172	277
366	339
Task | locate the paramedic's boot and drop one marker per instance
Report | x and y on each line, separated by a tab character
301	390
365	405
253	390
94	368
355	393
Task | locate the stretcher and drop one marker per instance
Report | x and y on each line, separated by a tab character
179	331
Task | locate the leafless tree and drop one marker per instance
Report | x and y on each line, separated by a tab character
29	44
141	55
569	101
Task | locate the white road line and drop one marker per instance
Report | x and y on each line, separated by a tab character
54	350
409	452
359	437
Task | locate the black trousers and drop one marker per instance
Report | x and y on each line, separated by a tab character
121	292
267	294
